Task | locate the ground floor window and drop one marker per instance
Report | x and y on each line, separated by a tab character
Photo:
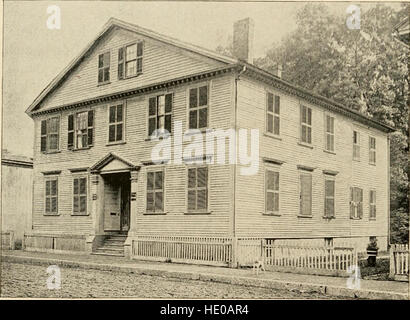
272	191
329	197
80	195
197	189
305	195
51	196
356	203
372	204
155	191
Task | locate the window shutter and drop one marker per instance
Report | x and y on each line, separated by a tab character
351	202
43	147
306	194
70	138
121	63
360	206
90	130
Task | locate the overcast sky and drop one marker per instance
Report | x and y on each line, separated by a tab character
34	55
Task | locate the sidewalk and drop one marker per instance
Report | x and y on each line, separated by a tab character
334	286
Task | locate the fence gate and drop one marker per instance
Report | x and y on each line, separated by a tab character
399	262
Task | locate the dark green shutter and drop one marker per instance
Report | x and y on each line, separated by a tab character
43	147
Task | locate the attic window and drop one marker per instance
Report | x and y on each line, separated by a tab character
130	60
104	67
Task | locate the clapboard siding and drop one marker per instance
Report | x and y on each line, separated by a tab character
160	62
250	189
138	149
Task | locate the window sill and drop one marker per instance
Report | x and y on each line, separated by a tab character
154	213
115	143
197	131
356	159
51	152
80	214
158	138
103	83
51	214
372	164
271	135
328	218
79	149
306	145
372	219
354	218
196	213
271	214
130	77
328	151
305	216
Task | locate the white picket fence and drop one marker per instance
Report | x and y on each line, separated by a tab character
399	262
297	258
202	250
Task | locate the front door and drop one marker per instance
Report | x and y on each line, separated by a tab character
125	203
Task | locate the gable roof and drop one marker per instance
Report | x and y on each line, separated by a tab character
116	23
110	157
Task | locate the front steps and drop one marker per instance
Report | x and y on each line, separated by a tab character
113	245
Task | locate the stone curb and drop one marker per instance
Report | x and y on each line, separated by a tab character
341	292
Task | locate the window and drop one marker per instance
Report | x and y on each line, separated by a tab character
305	195
155	191
272	114
81	129
51	205
306	124
80	195
329	197
160	113
356	203
329	242
272	191
198	189
330	133
372	150
116	123
372	204
50	131
104	67
130	60
198	107
356	145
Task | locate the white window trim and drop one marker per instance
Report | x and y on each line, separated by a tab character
75	147
98	68
356	215
375	203
51	178
208	202
156	168
326	114
356	144
197	85
88	205
327	177
59	135
124	47
301	124
299	214
124	115
147	116
373	150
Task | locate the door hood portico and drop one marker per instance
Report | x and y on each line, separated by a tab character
113	163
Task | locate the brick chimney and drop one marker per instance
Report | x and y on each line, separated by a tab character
243	39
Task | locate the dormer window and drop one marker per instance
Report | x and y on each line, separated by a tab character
130	60
104	68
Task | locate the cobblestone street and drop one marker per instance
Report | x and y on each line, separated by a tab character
24	280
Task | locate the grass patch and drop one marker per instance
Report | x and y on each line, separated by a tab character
379	272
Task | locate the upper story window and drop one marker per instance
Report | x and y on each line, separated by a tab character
80	195
198	189
130	60
80	130
273	114
104	67
51	196
116	123
372	204
372	150
271	191
160	113
198	107
306	124
155	191
305	193
330	133
356	203
356	145
50	133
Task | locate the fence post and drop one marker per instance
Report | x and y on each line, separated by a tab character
234	258
392	266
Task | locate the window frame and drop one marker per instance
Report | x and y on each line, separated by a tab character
104	67
208	84
48	179
124	111
148	117
48	150
196	211
266	190
272	113
124	60
356	145
374	204
325	196
356	216
155	169
327	133
305	124
372	150
87	192
74	131
301	173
